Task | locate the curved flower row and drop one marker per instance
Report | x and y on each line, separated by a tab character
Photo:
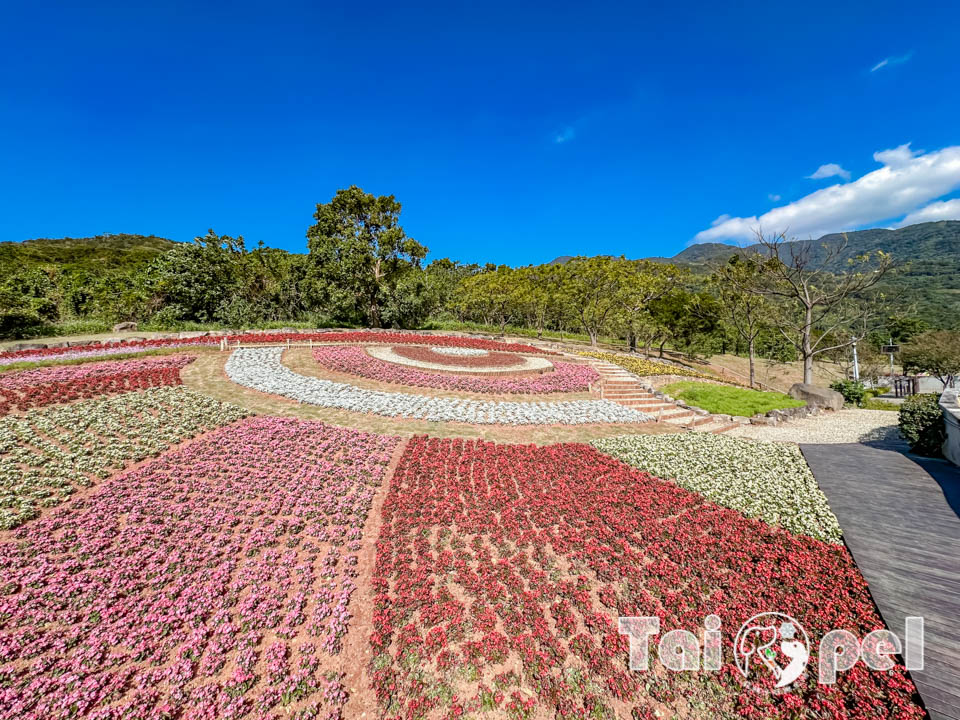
214	582
770	481
261	369
501	571
352	336
49	385
46	454
566	377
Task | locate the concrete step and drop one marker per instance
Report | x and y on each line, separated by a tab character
677	416
627	394
649	407
716	427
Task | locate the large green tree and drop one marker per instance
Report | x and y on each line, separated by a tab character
359	254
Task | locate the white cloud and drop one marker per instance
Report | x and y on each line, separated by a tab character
829	170
773	197
941	210
891	61
564	136
907	182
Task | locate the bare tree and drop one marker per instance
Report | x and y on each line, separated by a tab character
747	311
822	310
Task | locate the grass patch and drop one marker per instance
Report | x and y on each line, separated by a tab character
877	404
729	400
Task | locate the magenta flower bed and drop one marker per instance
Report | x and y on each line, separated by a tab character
566	377
214	582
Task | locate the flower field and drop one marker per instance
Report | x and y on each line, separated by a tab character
213	582
47	453
643	366
566	377
50	385
261	369
770	481
129	346
501	570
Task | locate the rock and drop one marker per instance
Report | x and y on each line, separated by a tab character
193	334
134	339
763	420
287	330
57	345
28	346
817	396
124	326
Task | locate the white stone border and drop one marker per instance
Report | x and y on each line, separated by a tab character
524	363
261	369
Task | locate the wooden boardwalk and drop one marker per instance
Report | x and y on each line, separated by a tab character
900	517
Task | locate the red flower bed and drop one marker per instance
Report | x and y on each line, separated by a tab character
501	571
214	582
48	386
426	354
384	337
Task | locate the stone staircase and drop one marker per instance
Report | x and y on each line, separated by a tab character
620	386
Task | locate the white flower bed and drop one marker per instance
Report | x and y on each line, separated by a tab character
261	369
524	363
769	481
460	351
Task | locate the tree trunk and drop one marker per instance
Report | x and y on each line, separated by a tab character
661	348
752	370
806	349
593	337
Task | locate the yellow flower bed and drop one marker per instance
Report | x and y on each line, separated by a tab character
642	366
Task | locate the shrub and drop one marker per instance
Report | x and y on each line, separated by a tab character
921	424
854	392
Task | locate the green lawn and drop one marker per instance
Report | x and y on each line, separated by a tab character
729	400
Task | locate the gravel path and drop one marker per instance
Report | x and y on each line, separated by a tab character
870	427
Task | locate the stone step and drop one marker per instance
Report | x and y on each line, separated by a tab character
626	394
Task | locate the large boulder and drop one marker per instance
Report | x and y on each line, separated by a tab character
817	397
124	326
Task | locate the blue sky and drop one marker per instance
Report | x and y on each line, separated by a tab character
511	132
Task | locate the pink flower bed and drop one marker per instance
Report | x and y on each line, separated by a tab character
214	582
566	377
51	385
352	336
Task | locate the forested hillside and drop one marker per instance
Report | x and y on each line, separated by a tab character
361	269
92	254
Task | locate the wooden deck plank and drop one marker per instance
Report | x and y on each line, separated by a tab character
900	518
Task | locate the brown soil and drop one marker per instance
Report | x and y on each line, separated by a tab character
356	653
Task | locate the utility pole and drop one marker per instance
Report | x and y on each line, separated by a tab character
856	363
891	362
